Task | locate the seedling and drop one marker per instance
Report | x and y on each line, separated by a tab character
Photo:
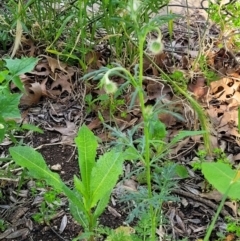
91	193
3	225
48	208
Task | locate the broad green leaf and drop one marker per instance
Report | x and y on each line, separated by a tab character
221	176
105	174
20	66
87	146
9	105
32	160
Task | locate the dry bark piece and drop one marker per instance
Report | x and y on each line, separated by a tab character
23	232
63	224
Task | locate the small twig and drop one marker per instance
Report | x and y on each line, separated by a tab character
57	234
72	154
51	144
202	200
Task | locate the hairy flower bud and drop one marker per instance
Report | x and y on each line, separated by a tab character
109	86
156	46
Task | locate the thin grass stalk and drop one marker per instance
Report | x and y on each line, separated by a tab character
146	136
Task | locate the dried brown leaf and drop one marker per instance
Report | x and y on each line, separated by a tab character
214	195
33	95
62	81
55	64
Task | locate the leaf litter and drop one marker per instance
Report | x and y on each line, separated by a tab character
55	100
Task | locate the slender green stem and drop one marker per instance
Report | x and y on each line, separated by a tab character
211	227
91	225
146	136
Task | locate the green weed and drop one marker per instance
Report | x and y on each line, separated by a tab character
9	112
48	207
92	192
233	226
3	225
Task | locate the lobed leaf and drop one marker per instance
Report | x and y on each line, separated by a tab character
20	66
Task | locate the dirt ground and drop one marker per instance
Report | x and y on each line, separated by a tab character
187	218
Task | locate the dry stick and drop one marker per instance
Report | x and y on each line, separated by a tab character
54	231
202	200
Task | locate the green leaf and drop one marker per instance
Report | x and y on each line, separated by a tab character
2	130
157	129
105	174
3	75
181	171
221	176
32	160
9	105
17	81
102	204
132	154
32	128
182	134
20	66
80	187
76	210
87	147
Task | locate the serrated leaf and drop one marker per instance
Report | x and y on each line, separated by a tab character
221	176
9	105
105	174
20	66
87	150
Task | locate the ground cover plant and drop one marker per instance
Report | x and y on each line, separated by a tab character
153	98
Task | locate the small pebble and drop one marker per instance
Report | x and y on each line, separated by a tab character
56	167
